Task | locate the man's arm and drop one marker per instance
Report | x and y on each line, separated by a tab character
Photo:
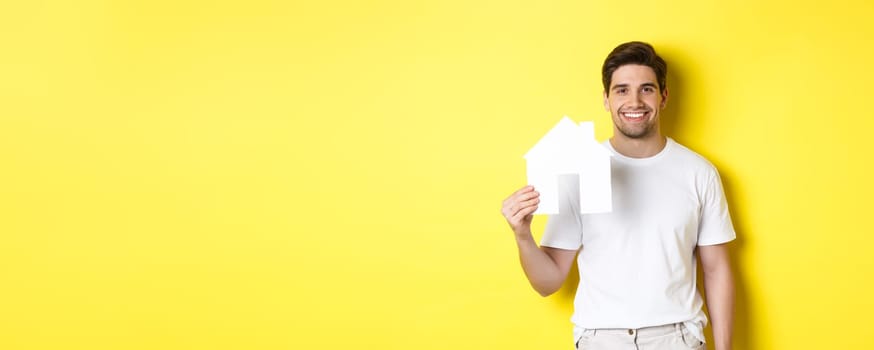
546	268
719	289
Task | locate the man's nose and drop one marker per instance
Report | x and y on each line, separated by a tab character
636	99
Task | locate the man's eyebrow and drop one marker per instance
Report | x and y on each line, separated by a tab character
619	86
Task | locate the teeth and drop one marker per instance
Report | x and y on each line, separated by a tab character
633	115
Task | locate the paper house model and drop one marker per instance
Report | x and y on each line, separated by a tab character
569	148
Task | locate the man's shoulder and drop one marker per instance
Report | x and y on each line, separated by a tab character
689	158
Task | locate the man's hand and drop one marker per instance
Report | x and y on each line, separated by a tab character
518	209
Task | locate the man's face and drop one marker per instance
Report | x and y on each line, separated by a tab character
634	101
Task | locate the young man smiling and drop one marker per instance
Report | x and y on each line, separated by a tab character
637	263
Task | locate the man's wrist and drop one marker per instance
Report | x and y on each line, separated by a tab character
524	237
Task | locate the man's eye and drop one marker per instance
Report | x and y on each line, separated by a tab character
621	91
648	89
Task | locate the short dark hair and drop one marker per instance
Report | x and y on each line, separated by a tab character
634	52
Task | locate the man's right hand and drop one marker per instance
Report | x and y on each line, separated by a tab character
518	209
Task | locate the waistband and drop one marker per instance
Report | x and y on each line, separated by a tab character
653	331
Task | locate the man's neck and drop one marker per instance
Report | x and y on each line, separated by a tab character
638	148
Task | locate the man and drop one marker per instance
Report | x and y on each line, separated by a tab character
637	263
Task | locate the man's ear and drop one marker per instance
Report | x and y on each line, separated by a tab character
664	98
606	102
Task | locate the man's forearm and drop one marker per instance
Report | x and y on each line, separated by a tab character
719	288
543	273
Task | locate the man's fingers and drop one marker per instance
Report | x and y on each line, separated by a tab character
520	215
530	202
521	197
522	190
527	196
520	204
522	201
523	206
510	205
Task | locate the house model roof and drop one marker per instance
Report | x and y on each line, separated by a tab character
567	139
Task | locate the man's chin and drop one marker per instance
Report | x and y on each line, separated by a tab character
635	134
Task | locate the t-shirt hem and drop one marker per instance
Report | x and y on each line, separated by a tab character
718	241
559	245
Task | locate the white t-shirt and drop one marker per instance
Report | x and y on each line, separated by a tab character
637	263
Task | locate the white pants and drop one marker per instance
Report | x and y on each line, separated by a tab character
668	337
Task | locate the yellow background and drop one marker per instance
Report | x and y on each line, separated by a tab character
328	174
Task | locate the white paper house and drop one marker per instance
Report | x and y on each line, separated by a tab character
569	148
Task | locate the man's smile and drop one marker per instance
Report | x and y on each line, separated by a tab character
635	115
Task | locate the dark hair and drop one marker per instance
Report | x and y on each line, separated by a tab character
634	52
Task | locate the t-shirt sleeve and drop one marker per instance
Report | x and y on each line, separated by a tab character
715	225
564	230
